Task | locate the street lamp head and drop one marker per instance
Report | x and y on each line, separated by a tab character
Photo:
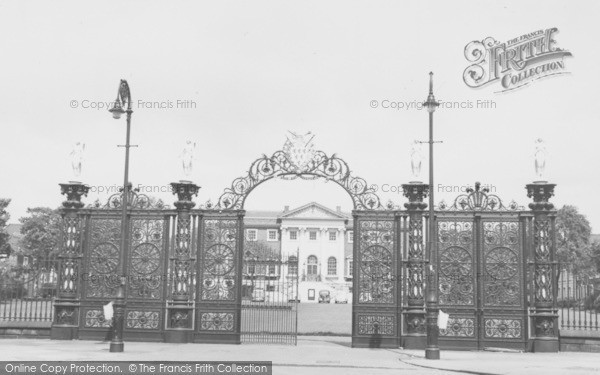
123	99
117	110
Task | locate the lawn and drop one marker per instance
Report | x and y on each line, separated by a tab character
324	318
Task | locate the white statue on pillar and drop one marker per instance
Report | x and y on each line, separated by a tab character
540	158
416	159
187	157
77	158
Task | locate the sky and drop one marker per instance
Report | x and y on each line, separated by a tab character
235	76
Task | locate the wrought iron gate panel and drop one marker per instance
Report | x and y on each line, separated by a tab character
146	259
146	272
504	315
456	278
217	269
376	297
456	264
481	280
145	267
218	301
102	256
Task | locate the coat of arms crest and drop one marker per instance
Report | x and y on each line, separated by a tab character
299	150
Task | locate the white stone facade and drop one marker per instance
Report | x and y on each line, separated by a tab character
322	240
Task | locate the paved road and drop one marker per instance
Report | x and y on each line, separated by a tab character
313	355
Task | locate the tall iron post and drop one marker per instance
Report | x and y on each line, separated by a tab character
183	263
545	314
123	98
65	325
432	350
414	311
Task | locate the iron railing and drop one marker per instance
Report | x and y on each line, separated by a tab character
578	301
270	301
28	289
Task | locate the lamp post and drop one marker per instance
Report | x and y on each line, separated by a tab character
432	350
123	99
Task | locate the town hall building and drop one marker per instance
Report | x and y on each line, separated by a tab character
314	239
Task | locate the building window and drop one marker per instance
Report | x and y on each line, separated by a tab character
293	235
349	268
350	236
251	269
293	265
312	235
272	235
332	266
271	269
312	268
332	236
251	235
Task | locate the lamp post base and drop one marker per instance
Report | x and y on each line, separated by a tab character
117	347
432	353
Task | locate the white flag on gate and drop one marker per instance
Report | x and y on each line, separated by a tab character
108	311
443	320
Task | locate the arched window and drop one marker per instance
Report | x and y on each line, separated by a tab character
331	266
312	268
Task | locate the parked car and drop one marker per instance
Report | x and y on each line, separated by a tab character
258	295
341	297
324	296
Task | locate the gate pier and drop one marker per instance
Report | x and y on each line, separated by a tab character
66	307
414	311
180	306
544	317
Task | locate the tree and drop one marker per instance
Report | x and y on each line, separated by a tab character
573	241
41	233
5	248
595	254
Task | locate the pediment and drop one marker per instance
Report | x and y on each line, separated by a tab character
313	211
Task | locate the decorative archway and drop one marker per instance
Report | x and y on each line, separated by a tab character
299	159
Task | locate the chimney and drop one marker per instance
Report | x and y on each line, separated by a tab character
286	208
338	209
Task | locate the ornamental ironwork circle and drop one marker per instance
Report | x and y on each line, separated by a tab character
456	327
145	258
502	263
376	262
105	258
456	262
219	259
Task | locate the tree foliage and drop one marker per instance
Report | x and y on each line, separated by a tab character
260	250
574	246
41	232
5	248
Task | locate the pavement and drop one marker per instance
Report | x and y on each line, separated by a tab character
312	355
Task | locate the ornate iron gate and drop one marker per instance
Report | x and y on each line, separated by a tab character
219	293
145	267
481	278
185	279
376	296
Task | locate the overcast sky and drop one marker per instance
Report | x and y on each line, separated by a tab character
250	71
